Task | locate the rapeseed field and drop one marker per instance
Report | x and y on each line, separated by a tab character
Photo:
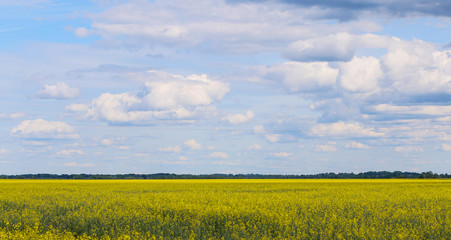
225	209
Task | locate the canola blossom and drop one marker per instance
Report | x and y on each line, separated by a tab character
225	209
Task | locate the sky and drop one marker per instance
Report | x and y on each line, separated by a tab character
224	86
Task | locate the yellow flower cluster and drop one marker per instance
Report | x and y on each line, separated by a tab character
225	209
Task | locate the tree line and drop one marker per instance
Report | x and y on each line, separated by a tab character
330	175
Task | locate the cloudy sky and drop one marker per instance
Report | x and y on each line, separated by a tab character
224	86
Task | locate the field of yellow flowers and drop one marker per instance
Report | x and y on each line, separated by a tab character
225	209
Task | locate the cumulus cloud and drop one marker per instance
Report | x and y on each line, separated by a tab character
356	89
107	141
281	154
356	145
42	129
222	155
360	74
301	77
325	148
58	91
446	147
113	141
259	129
431	110
335	47
412	73
228	163
409	149
167	96
238	118
78	108
244	27
141	154
342	129
170	149
193	144
272	138
69	152
75	164
4	151
249	25
174	90
114	108
416	67
82	32
254	146
408	69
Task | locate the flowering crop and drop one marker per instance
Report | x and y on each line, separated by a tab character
225	209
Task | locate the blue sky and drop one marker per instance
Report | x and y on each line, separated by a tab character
232	86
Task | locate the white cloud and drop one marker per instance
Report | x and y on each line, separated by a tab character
107	141
325	148
168	96
35	143
446	147
70	152
417	130
183	158
254	146
180	162
281	154
193	144
114	108
78	107
341	129
42	129
409	71
112	141
244	27
170	90
124	147
82	32
335	47
432	110
75	164
409	149
11	115
301	77
222	155
238	118
4	151
259	129
229	163
170	149
356	145
58	91
141	155
360	74
36	149
416	67
272	137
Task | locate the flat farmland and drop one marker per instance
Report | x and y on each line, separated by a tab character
225	209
